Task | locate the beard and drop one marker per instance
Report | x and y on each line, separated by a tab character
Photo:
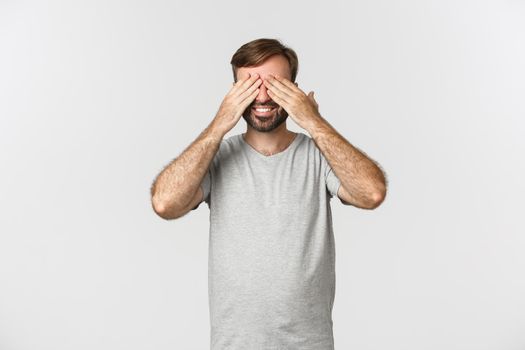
267	124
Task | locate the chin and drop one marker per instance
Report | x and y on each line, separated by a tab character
264	126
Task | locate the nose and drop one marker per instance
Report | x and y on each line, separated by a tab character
263	96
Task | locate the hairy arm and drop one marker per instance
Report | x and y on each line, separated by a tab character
363	183
175	190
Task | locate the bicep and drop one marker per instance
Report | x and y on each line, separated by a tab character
333	184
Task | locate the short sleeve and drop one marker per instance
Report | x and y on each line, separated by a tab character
208	179
205	186
331	180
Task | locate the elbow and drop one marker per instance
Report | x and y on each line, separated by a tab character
159	208
377	197
163	210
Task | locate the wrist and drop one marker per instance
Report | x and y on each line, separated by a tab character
215	131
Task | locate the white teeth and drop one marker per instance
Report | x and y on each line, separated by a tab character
263	109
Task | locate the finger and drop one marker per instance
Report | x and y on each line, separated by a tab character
280	101
249	91
279	85
237	84
311	96
246	84
287	83
273	91
313	99
248	100
241	81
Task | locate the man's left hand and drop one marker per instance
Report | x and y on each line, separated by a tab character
301	107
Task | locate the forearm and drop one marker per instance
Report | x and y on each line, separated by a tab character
359	175
176	185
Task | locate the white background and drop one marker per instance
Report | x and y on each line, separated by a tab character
96	97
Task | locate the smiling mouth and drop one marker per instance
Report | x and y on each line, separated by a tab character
263	111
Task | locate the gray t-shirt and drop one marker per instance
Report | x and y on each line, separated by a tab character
271	266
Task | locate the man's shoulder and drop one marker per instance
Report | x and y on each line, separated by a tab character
230	143
228	147
230	139
308	143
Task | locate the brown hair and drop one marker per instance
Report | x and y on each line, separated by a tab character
257	51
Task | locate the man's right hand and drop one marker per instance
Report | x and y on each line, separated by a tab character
240	96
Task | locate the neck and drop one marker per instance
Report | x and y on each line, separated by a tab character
270	142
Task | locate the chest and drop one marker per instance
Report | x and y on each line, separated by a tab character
289	187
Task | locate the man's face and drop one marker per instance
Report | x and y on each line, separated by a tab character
260	120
